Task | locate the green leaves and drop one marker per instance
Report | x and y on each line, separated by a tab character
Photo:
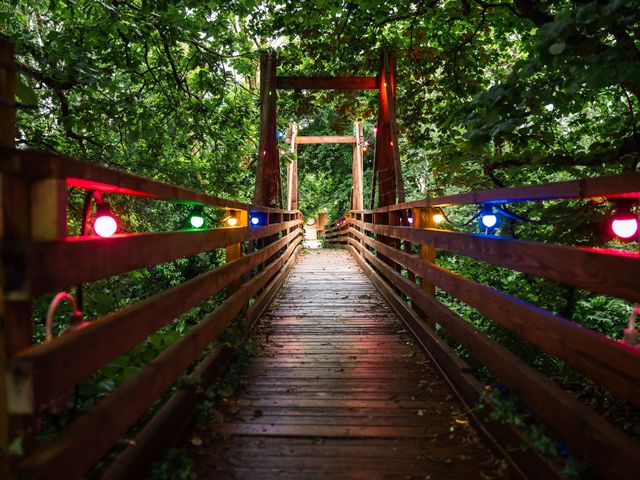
25	93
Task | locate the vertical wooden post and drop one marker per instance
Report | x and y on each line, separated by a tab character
384	150
268	171
233	252
7	139
423	218
387	156
357	169
389	68
292	171
29	211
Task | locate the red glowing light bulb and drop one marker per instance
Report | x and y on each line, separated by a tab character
105	224
624	223
624	227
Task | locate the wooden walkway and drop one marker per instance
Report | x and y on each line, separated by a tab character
339	390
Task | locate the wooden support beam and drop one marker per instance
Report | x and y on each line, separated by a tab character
357	169
384	155
7	139
292	170
267	190
311	139
389	83
327	83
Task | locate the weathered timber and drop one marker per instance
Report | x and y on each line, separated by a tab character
44	371
322	139
73	452
606	271
357	169
327	83
587	433
612	186
267	190
45	265
610	363
525	463
174	420
398	396
81	174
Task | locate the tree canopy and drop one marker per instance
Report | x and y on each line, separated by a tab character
489	94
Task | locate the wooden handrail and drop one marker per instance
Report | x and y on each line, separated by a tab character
82	444
383	248
48	262
613	186
590	435
611	363
87	175
52	366
610	272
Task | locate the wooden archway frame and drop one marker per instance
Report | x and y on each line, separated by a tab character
387	167
357	140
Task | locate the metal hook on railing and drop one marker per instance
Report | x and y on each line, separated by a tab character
75	321
631	336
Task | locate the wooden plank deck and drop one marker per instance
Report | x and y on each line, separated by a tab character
339	390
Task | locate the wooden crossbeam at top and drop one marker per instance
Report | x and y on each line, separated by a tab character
327	83
324	139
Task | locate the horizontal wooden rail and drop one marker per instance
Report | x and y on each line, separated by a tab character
610	272
44	371
610	363
172	421
40	267
588	434
327	83
614	186
82	174
74	451
310	140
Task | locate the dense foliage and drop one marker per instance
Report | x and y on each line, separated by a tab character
490	94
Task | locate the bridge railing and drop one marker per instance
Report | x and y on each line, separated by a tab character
382	241
39	258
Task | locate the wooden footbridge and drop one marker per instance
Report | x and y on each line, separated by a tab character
356	373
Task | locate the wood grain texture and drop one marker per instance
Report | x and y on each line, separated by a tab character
606	271
47	262
87	175
607	361
591	436
611	186
327	83
53	366
356	399
84	442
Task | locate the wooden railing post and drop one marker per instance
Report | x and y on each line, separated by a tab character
292	171
233	252
423	218
267	191
7	139
356	170
31	210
